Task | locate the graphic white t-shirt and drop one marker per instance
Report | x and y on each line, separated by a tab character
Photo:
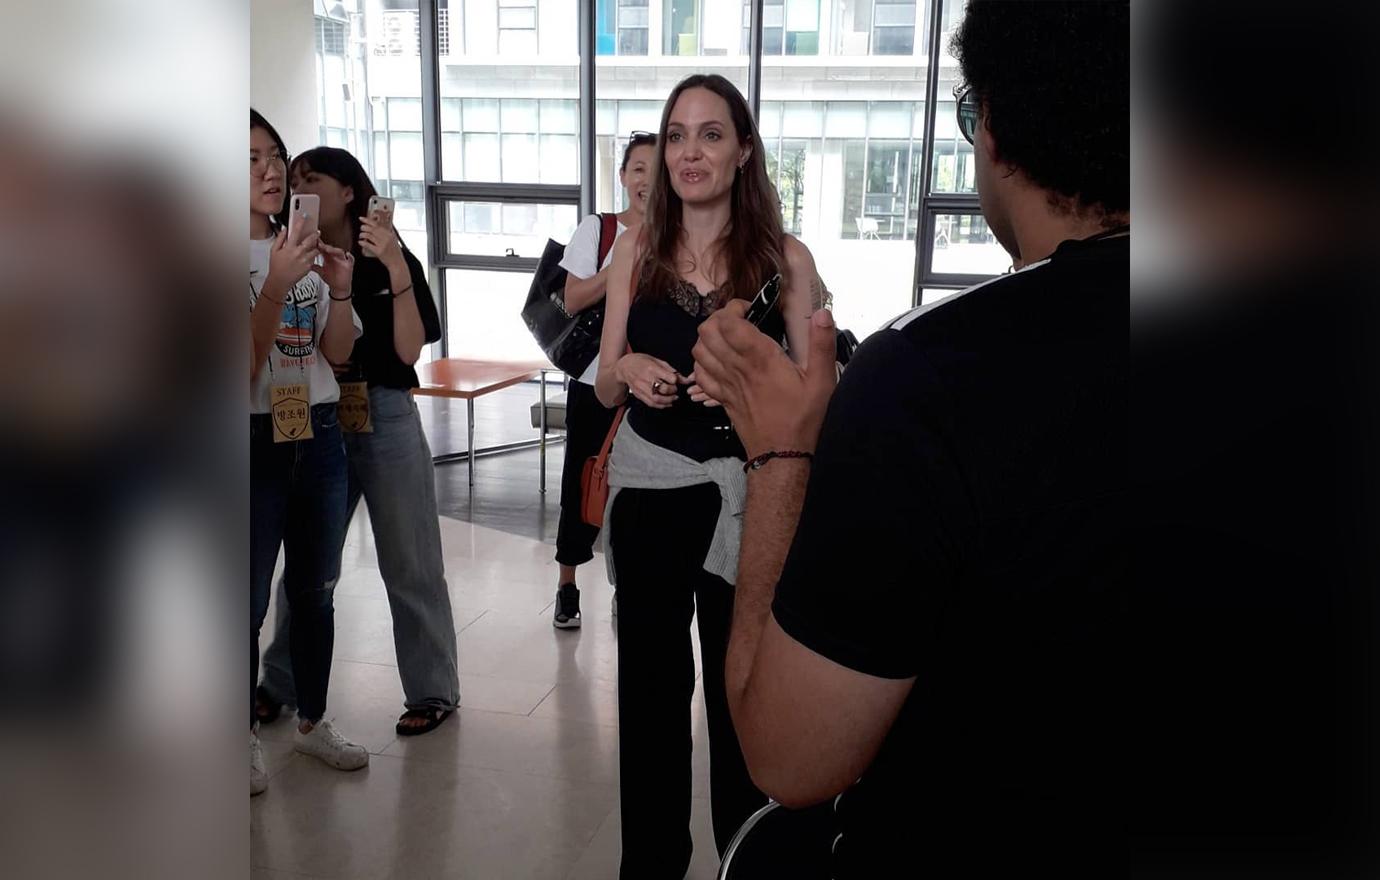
579	260
294	355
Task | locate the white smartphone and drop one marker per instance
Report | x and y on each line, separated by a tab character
381	209
303	216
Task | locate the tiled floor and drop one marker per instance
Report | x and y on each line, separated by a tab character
507	495
523	781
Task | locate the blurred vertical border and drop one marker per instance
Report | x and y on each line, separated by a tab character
1253	679
122	469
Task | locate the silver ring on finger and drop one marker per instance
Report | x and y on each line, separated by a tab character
656	387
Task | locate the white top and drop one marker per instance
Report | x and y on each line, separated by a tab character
294	355
579	259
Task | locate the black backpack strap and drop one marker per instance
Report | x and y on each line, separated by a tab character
608	231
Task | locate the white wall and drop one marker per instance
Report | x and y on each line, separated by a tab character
282	72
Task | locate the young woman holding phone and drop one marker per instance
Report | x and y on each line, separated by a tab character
390	462
301	324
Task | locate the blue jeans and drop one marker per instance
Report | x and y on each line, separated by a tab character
392	469
297	496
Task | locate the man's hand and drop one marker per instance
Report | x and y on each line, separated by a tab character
773	403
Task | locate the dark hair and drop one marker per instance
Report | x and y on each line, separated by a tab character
638	139
257	120
344	168
1053	80
752	244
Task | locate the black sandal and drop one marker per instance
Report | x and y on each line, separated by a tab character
434	718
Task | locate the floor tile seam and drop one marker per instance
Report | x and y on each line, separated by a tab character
543	700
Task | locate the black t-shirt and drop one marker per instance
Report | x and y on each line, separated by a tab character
963	525
1255	519
375	358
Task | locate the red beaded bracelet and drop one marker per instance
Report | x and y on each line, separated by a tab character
768	456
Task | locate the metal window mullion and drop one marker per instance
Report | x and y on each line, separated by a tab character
542	193
488	263
430	52
388	145
910	173
867	167
754	58
924	245
431	113
321	99
925	253
956	203
587	196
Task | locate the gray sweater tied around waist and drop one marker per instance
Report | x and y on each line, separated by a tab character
636	463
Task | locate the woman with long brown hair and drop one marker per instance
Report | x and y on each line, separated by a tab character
712	233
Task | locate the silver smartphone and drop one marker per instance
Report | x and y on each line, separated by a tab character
303	216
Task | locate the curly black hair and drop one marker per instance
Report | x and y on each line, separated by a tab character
1054	82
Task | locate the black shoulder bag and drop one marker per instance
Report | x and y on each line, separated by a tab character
570	341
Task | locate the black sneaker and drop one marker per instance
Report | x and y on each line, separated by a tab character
567	607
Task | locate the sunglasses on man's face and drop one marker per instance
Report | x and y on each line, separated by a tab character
966	106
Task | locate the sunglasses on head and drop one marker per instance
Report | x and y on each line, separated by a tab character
641	137
966	106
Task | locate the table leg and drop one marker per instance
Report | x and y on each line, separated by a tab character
543	432
469	410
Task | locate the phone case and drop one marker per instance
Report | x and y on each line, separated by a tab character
380	209
765	301
303	215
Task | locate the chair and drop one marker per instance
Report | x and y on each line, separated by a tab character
942	233
776	842
867	228
555	412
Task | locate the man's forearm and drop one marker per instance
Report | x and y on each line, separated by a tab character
775	495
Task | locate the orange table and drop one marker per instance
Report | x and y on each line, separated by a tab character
467	378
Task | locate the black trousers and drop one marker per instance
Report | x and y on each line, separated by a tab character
659	541
587	423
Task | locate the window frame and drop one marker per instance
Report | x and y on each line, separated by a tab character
444	195
930	17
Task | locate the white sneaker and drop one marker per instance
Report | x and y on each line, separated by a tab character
258	776
325	743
